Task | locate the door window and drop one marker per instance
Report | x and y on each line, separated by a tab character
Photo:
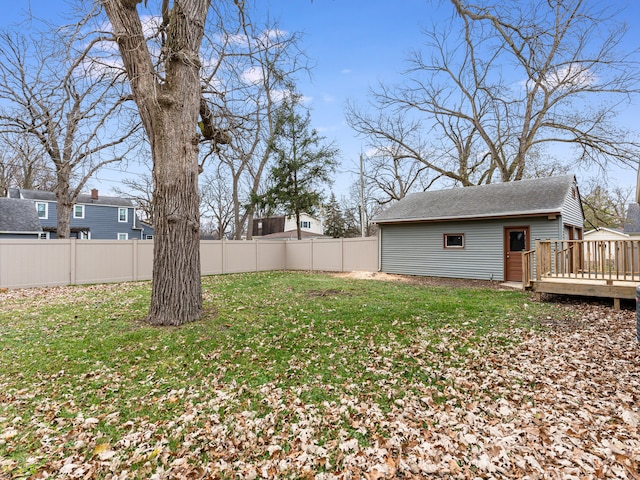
517	241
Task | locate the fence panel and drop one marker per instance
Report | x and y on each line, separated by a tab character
211	257
239	256
114	263
34	263
299	255
38	263
271	255
326	255
360	254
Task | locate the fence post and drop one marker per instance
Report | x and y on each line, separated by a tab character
224	256
257	254
72	261
134	259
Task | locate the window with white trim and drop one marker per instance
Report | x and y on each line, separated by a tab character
123	214
78	211
454	240
123	236
43	236
43	210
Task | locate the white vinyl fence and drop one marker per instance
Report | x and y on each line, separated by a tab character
42	263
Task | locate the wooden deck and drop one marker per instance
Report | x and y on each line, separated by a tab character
591	268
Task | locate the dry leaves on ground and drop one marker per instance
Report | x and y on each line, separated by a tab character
564	403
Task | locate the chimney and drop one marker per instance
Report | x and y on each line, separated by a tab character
94	194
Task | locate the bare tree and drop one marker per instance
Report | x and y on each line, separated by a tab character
257	64
352	204
217	202
23	164
605	206
394	176
497	83
54	91
140	190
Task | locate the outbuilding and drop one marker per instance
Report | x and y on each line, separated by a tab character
478	232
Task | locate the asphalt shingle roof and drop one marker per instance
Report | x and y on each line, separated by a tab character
17	215
84	199
525	197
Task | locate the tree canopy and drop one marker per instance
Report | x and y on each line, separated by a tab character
496	90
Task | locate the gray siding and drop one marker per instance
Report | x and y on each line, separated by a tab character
417	249
572	213
102	221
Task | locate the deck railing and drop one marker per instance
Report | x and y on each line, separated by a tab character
582	259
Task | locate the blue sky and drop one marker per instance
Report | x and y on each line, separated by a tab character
353	45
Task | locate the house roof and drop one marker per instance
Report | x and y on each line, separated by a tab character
607	230
85	199
540	196
17	215
632	220
291	235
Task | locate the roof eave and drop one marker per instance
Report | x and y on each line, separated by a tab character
538	213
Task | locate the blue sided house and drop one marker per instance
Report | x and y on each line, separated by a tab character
33	214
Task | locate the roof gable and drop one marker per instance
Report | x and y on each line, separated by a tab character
18	215
540	196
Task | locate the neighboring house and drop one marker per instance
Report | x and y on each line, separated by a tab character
280	224
478	232
606	248
92	216
293	235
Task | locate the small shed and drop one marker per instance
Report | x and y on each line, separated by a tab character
478	232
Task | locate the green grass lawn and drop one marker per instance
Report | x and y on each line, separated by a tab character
80	373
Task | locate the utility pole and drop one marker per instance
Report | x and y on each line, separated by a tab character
362	229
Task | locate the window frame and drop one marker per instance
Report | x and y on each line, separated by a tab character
446	236
75	213
126	236
126	215
46	210
305	224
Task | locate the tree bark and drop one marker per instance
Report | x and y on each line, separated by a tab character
63	204
176	296
169	108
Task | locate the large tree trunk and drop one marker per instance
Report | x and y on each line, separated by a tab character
176	297
63	204
169	111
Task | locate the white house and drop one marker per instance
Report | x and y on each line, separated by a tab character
307	224
606	248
